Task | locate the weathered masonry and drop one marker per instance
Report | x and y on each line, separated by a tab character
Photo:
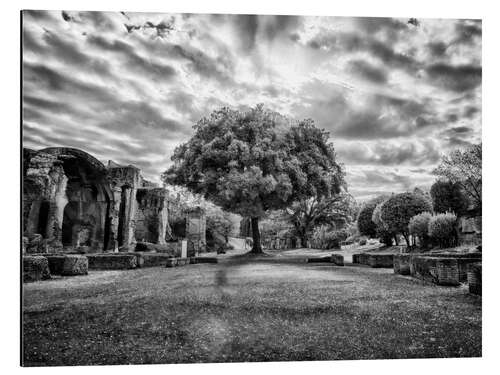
73	201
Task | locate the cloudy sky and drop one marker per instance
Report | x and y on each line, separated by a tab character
393	93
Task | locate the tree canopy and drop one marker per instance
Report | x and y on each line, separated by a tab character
254	161
305	215
447	196
464	167
366	225
400	208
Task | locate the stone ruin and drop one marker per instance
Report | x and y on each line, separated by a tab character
71	201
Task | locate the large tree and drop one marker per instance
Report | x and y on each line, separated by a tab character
464	167
255	161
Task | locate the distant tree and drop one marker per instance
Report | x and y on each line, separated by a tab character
400	208
255	161
464	167
366	225
447	196
218	229
382	230
336	210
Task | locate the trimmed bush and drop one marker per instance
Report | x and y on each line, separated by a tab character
400	208
35	268
419	227
442	229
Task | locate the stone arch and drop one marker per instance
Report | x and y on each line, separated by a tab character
83	213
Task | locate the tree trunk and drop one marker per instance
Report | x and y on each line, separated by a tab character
256	248
408	244
303	240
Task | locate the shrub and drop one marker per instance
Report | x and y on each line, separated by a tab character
218	228
362	242
442	229
325	238
419	227
400	208
383	233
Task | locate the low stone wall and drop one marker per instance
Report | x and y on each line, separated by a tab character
474	278
439	270
118	261
153	259
68	265
35	268
381	260
172	249
336	259
373	260
402	264
175	262
463	267
205	260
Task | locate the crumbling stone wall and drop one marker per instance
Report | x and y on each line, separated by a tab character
71	201
151	217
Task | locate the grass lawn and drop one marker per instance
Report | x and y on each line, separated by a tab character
273	308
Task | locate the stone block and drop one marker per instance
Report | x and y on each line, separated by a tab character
171	262
474	278
154	259
35	268
337	259
326	259
402	264
206	260
380	260
115	261
75	265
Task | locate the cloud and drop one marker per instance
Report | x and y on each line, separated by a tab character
129	86
458	78
133	60
368	72
468	31
415	153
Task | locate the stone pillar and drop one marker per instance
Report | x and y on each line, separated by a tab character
196	230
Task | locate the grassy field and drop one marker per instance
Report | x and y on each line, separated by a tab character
272	308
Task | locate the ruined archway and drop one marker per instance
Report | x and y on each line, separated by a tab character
84	209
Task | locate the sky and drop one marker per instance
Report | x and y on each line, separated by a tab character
394	94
